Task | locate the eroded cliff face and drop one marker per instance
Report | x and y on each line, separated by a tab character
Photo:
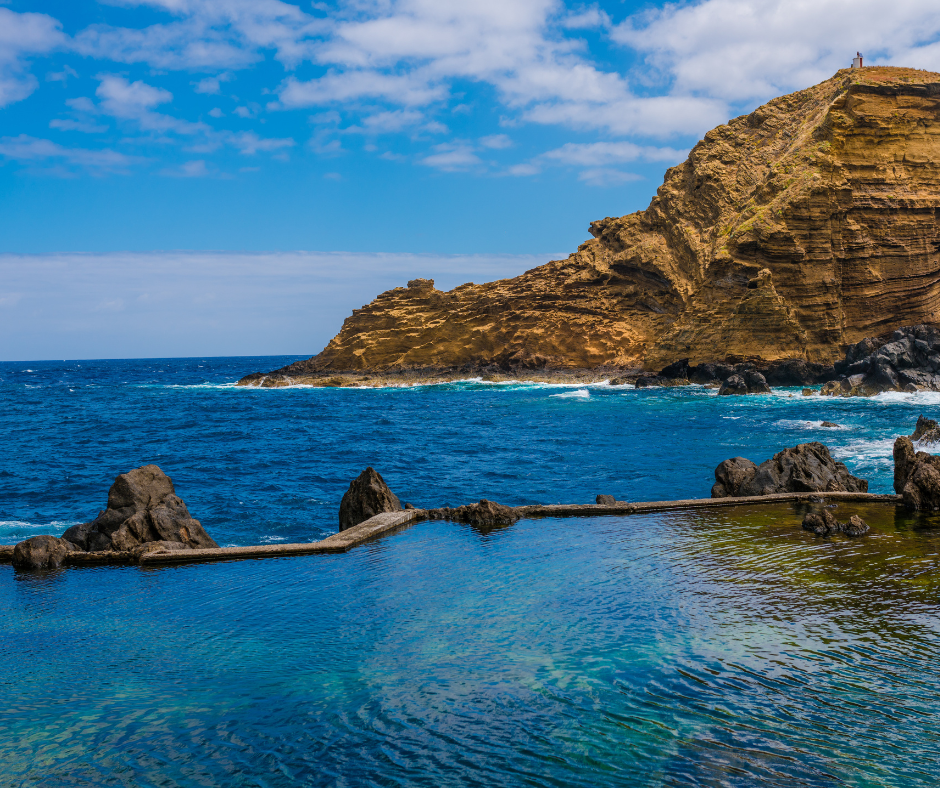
787	233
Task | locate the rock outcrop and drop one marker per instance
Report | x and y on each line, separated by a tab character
927	432
788	233
908	359
807	467
142	508
747	383
483	514
367	496
916	476
143	514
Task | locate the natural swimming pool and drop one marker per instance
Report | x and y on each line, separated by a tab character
717	647
697	648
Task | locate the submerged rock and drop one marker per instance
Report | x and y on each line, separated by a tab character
830	425
367	496
807	467
916	476
42	552
825	524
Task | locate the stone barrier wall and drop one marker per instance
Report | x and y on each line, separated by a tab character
390	521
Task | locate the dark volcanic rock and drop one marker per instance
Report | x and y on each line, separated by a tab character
825	524
41	552
807	467
142	508
927	432
485	513
906	360
605	500
367	496
746	382
830	425
731	475
916	476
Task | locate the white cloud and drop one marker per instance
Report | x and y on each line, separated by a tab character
249	143
407	90
135	101
215	112
496	141
31	150
453	157
22	35
602	176
61	76
212	85
191	169
84	126
596	154
750	50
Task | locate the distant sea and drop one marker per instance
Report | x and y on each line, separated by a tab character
654	650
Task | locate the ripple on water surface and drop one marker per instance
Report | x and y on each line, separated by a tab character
720	647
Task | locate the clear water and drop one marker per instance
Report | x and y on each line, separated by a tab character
719	648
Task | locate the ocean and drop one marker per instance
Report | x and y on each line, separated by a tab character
669	649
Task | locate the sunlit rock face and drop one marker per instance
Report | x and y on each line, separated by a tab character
787	233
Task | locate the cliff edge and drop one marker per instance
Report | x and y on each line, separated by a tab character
791	232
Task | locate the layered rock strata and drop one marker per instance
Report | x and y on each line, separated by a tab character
790	232
807	467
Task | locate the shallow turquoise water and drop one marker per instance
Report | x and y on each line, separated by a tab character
648	650
668	649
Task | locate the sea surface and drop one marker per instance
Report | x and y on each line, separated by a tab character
715	648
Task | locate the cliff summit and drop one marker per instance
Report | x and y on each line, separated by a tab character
790	232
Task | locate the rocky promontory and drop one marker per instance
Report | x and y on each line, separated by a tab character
792	232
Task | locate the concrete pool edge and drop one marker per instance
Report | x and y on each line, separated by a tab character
387	522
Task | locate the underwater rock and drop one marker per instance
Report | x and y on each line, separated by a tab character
747	382
825	524
42	552
807	467
916	476
484	513
367	496
142	508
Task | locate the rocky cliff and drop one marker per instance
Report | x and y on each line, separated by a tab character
787	233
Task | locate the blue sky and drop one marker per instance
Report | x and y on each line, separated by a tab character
407	127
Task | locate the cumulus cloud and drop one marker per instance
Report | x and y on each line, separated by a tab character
453	157
599	160
23	35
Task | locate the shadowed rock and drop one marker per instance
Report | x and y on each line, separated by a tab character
42	552
605	500
916	476
367	496
807	467
825	524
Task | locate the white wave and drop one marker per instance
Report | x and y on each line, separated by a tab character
803	424
877	451
579	394
267	539
21	525
29	370
919	398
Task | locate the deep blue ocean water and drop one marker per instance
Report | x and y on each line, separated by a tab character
671	649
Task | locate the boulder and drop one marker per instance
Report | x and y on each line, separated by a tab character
916	476
748	381
807	467
731	475
830	425
367	496
42	552
142	507
856	526
605	500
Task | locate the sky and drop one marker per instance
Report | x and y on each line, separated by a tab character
438	137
